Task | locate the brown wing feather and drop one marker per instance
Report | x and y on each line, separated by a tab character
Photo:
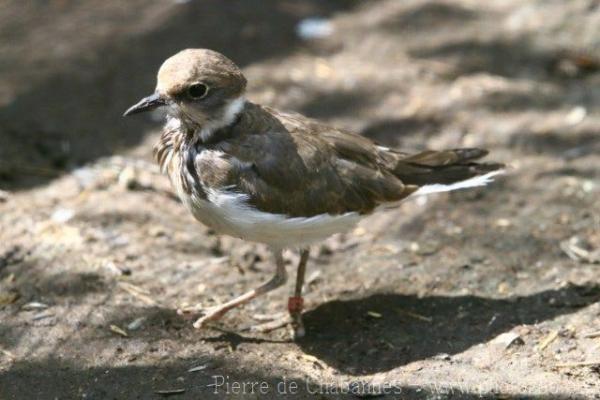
443	167
292	165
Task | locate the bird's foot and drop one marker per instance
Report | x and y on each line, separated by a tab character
294	322
298	330
273	322
295	306
292	319
208	314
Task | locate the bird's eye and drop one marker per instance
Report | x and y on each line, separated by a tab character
197	91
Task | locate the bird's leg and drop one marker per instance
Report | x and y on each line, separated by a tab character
295	304
276	281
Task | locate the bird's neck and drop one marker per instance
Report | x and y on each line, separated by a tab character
207	131
181	133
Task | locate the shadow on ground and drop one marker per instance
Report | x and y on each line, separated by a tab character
55	378
517	57
73	115
342	334
430	16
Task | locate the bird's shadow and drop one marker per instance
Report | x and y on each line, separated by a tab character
385	331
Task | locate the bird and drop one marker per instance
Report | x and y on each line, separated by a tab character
279	178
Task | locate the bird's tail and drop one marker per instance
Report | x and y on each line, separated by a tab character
443	171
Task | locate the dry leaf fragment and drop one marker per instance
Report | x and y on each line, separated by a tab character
118	331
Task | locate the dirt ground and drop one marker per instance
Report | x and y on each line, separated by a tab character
489	293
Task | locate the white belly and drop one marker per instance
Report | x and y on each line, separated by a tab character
229	213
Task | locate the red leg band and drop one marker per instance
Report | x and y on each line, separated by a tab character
295	304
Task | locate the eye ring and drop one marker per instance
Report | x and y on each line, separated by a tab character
197	91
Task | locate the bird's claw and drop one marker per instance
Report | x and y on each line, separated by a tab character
272	325
298	330
294	322
207	314
210	314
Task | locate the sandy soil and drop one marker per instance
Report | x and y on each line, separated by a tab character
481	294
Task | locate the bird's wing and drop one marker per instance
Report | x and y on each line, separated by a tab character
286	164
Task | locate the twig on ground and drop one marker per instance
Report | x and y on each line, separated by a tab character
592	335
138	292
414	315
547	340
169	392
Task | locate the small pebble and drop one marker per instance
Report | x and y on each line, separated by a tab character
314	28
128	178
62	215
576	115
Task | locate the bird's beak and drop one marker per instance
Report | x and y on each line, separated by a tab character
146	104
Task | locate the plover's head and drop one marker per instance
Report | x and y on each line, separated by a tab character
198	86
